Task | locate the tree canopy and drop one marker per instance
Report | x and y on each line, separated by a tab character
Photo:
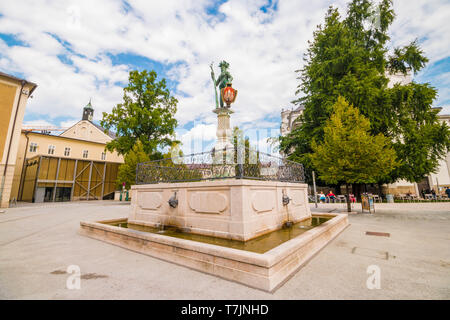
127	170
348	152
146	115
349	57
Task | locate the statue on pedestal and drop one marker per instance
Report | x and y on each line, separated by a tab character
223	110
223	82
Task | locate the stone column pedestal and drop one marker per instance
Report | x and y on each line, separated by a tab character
223	129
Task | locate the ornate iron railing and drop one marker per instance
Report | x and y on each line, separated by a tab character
242	163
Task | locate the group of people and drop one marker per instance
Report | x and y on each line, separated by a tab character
433	193
328	198
331	197
428	191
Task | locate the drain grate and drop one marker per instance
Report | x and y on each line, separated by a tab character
379	234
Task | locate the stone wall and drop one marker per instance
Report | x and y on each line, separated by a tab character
233	208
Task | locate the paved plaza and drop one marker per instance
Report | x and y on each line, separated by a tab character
39	242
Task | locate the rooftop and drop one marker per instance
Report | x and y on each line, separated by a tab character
10	77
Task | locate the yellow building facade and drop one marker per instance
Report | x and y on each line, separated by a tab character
71	166
14	94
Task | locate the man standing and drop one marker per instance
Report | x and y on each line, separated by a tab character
222	80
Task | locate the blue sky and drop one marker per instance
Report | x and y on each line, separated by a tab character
79	50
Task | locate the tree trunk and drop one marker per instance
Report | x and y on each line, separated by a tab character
338	188
357	191
380	189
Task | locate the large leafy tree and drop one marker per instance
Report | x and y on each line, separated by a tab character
349	153
349	57
146	115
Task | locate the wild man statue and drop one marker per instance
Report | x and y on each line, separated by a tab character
222	81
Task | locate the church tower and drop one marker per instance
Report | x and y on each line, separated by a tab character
88	112
86	129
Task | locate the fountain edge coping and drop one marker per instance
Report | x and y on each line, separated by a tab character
266	260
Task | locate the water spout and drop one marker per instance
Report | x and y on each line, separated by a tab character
286	201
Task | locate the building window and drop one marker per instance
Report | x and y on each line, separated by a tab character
33	147
103	155
51	149
67	151
85	153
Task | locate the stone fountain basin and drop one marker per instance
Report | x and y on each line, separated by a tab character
265	271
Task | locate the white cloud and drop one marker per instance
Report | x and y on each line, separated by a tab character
67	124
263	50
199	138
425	20
37	123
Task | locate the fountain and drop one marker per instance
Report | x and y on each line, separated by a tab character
233	212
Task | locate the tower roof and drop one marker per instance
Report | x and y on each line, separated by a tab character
89	105
88	112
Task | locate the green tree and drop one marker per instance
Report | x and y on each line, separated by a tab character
239	140
250	164
349	153
146	115
349	57
171	168
127	170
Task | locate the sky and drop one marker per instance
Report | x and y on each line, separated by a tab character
78	50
